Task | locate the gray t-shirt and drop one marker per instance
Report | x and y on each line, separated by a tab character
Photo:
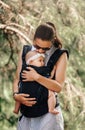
49	53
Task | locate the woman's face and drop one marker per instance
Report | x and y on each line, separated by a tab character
41	45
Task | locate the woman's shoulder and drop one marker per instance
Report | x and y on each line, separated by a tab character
64	51
63	58
58	52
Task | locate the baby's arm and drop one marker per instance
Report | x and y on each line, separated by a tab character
52	98
52	103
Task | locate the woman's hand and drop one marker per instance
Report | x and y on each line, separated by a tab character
24	99
30	75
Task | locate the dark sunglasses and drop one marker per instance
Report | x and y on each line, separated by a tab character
43	48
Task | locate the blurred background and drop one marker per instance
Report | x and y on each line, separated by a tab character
18	21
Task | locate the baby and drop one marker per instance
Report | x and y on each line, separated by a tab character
37	59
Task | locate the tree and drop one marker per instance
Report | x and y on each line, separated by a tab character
17	26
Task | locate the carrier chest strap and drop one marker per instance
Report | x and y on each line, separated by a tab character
26	49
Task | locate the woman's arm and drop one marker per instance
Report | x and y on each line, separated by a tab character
16	78
54	85
22	98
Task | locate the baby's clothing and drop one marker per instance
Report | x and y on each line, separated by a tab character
36	90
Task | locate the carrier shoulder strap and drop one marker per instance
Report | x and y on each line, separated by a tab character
26	48
55	56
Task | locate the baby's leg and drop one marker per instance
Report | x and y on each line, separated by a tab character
17	106
52	103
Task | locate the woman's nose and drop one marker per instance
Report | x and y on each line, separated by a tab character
40	50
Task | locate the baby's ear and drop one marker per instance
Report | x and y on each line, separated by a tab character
30	62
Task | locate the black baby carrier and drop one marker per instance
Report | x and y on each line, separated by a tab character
35	89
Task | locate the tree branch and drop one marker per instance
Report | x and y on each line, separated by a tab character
8	28
4	5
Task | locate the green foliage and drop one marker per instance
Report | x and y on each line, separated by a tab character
69	19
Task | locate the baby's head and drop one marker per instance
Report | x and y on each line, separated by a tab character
35	58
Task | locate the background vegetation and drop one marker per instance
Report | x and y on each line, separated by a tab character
18	21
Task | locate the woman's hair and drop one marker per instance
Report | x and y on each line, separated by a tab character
47	32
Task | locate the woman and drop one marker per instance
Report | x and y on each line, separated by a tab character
45	41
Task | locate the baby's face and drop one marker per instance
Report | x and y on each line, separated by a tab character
38	62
